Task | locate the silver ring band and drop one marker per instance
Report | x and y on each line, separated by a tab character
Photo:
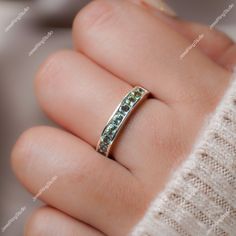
119	118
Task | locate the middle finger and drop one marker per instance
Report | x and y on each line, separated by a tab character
139	48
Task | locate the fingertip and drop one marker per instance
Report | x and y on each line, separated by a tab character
35	224
25	150
51	67
21	152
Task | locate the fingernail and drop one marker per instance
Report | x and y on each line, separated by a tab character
161	6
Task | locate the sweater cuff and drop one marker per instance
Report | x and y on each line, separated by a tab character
200	199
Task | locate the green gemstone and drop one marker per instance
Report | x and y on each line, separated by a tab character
140	90
111	127
125	108
103	148
110	130
130	100
106	139
137	94
117	119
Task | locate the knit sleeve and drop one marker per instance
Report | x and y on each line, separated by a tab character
200	199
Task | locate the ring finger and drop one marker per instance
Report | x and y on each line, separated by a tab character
81	96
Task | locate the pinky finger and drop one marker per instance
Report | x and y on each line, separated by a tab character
48	221
215	44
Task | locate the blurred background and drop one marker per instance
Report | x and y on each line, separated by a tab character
19	59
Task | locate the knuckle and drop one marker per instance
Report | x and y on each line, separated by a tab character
23	148
96	13
50	71
22	145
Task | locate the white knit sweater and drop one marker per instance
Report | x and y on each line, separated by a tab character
200	199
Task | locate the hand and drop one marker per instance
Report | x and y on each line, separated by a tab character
118	45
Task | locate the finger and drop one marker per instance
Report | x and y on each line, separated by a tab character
141	49
228	59
78	94
214	44
88	187
81	96
48	221
217	45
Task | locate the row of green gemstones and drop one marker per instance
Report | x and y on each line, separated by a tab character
112	128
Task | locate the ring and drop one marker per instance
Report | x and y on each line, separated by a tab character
119	118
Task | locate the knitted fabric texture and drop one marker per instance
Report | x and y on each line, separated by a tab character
200	199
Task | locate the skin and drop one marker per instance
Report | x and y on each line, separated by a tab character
118	44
